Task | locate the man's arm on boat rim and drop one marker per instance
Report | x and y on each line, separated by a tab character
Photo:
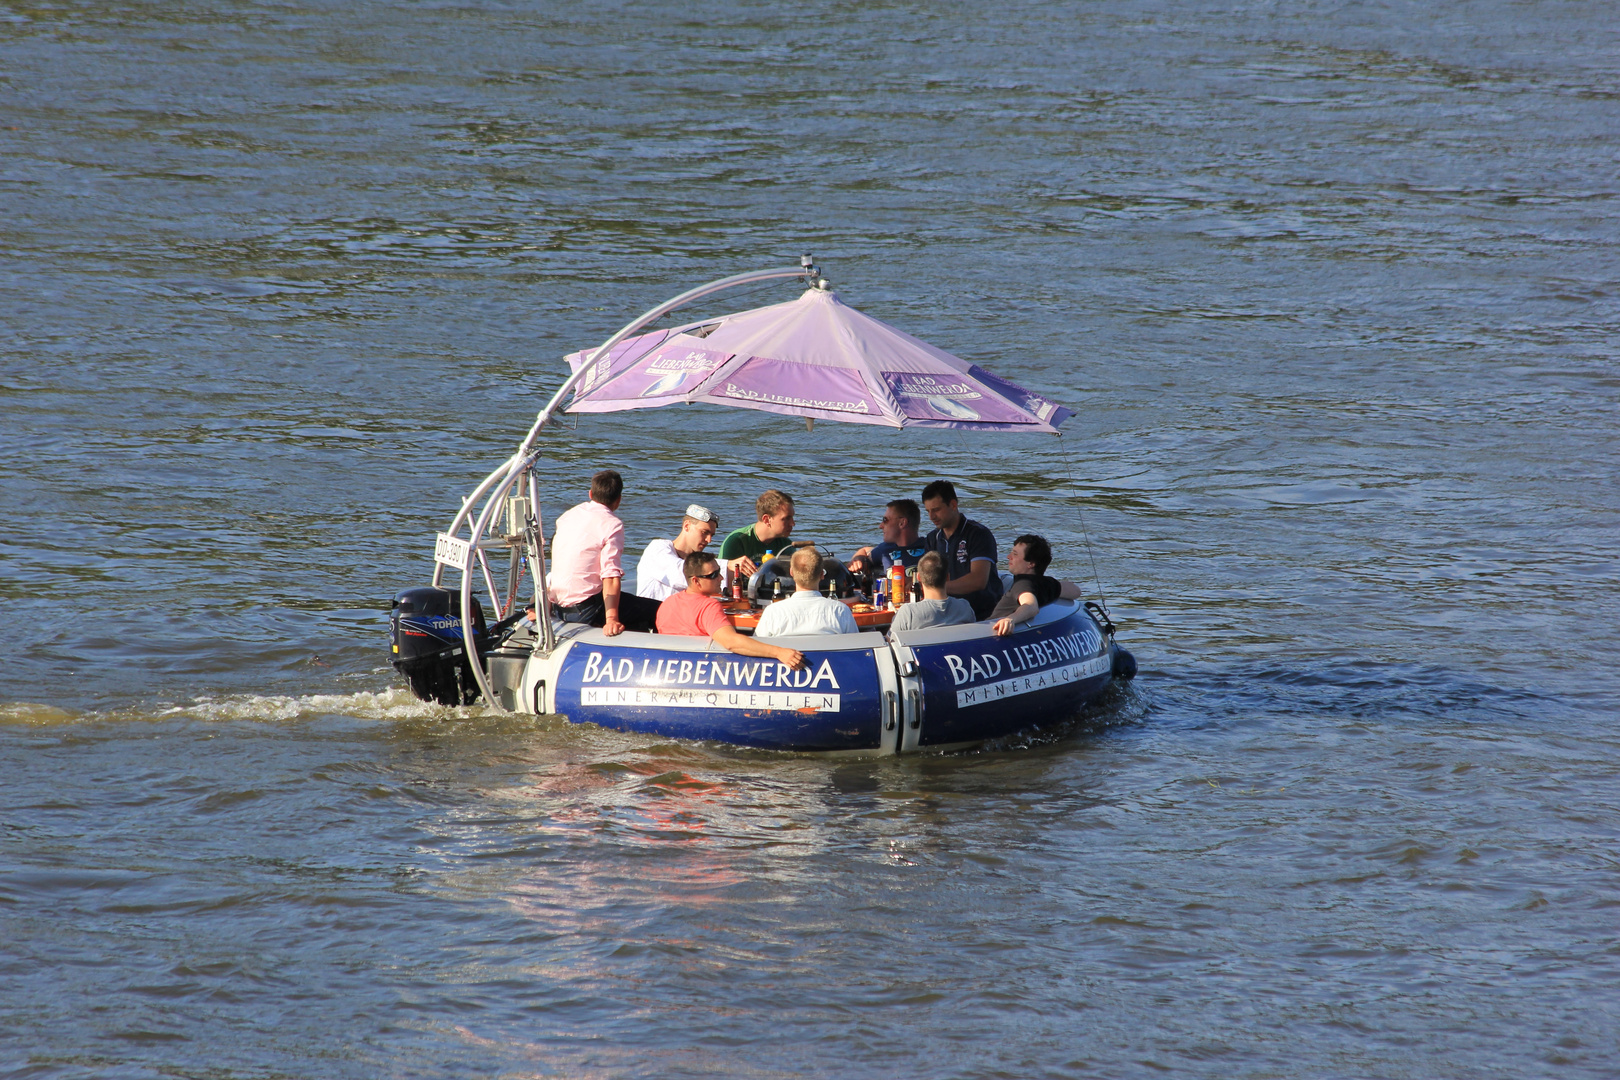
728	638
612	626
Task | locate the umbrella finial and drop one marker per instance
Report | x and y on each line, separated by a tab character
812	273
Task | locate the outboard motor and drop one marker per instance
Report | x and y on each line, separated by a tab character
425	628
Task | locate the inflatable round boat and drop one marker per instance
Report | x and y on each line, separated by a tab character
866	693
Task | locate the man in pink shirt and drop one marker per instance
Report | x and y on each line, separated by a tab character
587	549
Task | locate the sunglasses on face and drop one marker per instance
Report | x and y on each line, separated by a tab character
708	577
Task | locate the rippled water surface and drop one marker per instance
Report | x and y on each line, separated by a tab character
1331	287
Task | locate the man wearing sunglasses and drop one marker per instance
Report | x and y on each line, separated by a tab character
901	543
697	613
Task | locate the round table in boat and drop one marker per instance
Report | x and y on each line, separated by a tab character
866	616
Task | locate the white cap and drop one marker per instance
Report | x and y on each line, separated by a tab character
700	513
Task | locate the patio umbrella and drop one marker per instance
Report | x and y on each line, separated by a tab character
814	357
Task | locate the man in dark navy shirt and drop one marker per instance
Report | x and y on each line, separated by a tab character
902	545
969	550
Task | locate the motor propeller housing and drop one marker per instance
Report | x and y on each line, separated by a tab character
425	629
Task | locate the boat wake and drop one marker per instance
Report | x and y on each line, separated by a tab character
392	704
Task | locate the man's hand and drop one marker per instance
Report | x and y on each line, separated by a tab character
742	566
1027	608
861	561
611	586
793	658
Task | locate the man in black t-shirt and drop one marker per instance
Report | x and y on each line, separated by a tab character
968	548
1031	589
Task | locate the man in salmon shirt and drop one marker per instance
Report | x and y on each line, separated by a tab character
587	550
697	613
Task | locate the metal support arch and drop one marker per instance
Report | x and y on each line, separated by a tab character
506	475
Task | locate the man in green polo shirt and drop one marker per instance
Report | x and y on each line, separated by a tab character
745	549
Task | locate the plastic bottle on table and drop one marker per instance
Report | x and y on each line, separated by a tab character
897	585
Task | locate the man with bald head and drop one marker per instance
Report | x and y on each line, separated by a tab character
806	611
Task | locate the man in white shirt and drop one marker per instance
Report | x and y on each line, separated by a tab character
806	611
659	574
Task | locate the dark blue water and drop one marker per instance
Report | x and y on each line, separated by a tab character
1332	290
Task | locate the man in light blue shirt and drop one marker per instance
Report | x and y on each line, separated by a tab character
935	608
806	611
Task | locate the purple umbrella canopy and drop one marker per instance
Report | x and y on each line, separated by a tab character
814	357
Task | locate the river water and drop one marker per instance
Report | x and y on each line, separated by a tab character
1331	287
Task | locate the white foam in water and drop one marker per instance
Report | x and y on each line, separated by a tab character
392	704
28	712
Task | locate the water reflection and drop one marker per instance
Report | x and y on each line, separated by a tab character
593	845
